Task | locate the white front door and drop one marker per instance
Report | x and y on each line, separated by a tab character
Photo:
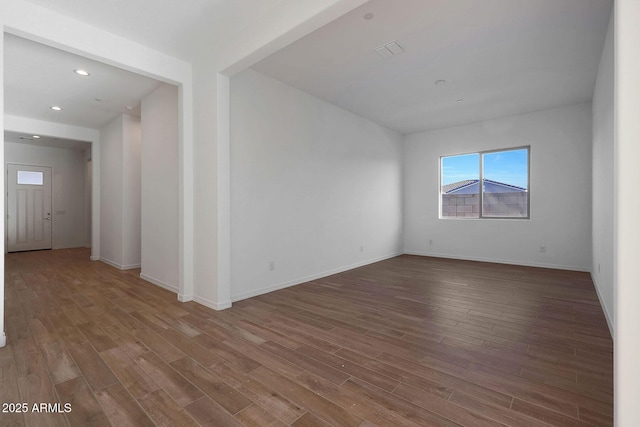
28	208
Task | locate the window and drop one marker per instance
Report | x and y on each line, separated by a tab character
504	175
30	178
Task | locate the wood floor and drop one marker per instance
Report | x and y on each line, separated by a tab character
404	342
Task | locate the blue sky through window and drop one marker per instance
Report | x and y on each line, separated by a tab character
509	167
459	168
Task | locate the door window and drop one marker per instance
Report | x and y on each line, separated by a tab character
30	178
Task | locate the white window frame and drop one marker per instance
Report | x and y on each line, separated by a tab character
480	184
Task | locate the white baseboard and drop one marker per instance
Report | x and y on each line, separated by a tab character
212	304
301	280
94	258
130	266
109	262
607	316
119	266
3	340
501	261
160	283
185	298
79	245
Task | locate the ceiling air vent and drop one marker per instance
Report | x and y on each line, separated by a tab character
390	49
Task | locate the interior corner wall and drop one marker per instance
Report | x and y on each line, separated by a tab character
314	189
602	268
159	191
3	337
131	183
560	191
68	189
120	193
88	194
111	147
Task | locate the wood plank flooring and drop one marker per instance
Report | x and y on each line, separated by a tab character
411	341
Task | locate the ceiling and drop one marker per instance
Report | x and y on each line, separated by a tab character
37	77
182	29
497	58
46	141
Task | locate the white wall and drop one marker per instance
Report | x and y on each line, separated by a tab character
111	193
3	337
310	185
120	193
88	177
252	38
560	191
69	169
159	191
602	179
131	182
627	221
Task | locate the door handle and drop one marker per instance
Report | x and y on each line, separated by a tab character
48	218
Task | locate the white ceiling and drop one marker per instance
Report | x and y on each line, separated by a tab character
38	76
45	141
501	57
183	29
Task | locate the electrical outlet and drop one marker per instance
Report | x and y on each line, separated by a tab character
543	249
272	265
361	248
430	242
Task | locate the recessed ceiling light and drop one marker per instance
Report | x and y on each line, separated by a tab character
128	107
35	136
440	82
81	72
56	108
97	99
459	101
368	16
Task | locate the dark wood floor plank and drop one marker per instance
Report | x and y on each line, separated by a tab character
353	369
396	404
226	352
308	363
211	385
497	412
121	408
366	408
84	409
95	371
164	411
175	385
310	420
268	398
546	415
130	375
8	386
163	348
256	416
407	341
192	348
304	397
96	336
207	413
59	363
